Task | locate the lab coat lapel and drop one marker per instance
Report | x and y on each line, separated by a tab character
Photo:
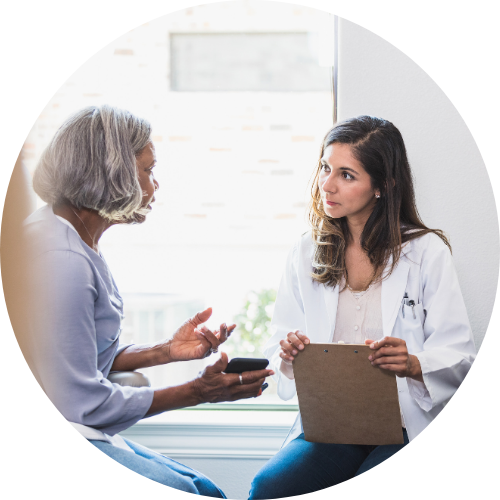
393	289
331	296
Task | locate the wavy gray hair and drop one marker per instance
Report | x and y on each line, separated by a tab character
91	163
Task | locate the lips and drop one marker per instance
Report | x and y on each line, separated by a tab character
331	203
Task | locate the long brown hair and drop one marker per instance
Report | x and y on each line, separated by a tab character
378	145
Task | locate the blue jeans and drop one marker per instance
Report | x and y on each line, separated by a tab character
160	469
302	467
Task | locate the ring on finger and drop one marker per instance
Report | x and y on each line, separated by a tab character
214	350
241	378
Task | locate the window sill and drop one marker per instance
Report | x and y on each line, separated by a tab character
214	434
278	407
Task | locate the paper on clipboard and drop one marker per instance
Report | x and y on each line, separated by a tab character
343	399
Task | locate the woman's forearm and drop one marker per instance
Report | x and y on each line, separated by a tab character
213	385
142	356
287	369
173	398
415	368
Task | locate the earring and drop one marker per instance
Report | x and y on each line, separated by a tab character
377	196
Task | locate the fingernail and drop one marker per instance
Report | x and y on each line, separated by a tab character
271	372
372	345
370	358
301	347
294	352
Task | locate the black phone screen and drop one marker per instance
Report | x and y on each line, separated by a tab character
240	365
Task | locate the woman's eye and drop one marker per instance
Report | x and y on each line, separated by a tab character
325	167
347	176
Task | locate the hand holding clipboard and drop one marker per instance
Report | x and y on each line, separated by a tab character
344	397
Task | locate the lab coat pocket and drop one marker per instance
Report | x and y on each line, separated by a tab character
410	326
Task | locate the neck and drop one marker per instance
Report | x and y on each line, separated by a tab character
356	226
88	223
356	223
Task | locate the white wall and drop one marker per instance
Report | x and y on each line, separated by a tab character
452	186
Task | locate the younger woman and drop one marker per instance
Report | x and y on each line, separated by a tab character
347	280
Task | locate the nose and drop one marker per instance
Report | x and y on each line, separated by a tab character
329	185
156	184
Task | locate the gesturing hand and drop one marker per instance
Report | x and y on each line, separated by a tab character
214	386
391	353
193	340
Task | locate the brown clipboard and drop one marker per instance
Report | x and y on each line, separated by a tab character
343	399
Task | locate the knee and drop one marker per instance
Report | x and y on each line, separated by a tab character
208	488
263	486
181	483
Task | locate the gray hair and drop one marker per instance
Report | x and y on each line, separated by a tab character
91	162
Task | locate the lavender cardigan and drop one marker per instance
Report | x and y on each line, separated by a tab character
75	312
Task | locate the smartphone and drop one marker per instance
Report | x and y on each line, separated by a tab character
240	365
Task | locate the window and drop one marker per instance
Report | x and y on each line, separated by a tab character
255	62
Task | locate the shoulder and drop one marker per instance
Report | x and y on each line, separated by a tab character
303	247
301	254
54	249
43	232
305	243
426	247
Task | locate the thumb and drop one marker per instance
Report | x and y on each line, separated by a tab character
369	341
202	316
220	365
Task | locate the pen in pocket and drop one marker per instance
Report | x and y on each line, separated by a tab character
403	303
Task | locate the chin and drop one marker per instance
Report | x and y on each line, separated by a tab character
140	216
334	213
137	218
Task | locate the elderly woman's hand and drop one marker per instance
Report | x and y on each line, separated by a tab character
211	386
215	386
391	353
193	340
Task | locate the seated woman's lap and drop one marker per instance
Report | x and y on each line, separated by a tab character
302	467
161	469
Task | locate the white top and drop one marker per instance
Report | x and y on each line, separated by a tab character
359	316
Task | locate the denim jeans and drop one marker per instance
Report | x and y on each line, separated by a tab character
302	467
160	469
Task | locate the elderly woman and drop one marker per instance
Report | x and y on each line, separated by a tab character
97	172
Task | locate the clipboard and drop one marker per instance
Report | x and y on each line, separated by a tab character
343	399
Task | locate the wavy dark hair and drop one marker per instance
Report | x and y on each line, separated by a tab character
378	145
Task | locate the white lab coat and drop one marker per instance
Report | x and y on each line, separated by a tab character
440	336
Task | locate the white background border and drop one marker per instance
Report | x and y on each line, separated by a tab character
44	42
